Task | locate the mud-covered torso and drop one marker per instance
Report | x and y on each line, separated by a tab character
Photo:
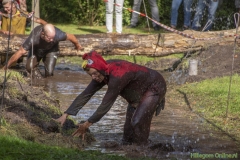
41	47
129	80
133	80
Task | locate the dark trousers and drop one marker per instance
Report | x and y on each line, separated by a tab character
138	119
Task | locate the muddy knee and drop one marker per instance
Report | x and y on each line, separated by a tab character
49	63
32	63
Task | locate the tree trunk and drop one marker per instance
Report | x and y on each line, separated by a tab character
133	44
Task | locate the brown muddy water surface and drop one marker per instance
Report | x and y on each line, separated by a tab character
176	133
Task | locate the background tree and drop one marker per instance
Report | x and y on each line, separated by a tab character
92	12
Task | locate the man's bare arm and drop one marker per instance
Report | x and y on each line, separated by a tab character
74	40
15	57
39	20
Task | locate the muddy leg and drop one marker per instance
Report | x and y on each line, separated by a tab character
31	66
142	117
128	129
50	62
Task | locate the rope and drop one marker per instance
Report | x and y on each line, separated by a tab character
31	62
174	30
236	18
146	15
5	73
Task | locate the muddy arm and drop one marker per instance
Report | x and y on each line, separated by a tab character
84	97
74	40
15	57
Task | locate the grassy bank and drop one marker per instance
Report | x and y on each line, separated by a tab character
209	99
15	148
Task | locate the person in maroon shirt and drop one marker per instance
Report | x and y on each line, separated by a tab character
144	89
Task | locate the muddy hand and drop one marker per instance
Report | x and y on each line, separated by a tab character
61	119
4	68
79	48
6	32
81	131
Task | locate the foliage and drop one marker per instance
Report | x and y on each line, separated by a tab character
92	13
225	16
11	75
59	11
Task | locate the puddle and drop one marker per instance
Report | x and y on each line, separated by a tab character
176	125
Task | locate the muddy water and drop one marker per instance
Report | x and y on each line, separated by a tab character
70	81
176	133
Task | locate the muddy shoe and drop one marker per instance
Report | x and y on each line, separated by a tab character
162	147
36	74
109	144
124	142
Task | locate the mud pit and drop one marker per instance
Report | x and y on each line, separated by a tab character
175	133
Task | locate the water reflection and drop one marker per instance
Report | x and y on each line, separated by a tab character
68	82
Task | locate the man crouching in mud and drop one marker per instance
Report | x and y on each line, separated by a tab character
143	88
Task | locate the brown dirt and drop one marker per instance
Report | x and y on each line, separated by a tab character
215	61
23	110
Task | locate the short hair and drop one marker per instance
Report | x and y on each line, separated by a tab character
5	2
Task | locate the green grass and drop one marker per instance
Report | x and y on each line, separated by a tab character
142	60
209	98
76	29
14	148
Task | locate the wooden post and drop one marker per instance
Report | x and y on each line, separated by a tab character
35	8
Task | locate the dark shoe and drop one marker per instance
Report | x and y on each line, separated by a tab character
123	142
128	141
36	74
156	28
131	26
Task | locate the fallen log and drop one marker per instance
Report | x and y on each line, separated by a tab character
132	44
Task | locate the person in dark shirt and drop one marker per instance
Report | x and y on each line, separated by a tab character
144	89
44	42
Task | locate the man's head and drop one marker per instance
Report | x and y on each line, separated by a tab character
95	74
48	32
95	66
7	6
